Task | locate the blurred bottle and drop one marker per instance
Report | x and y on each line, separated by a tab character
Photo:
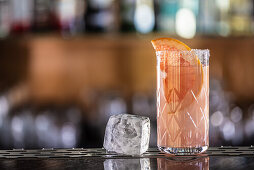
241	16
42	19
223	21
69	15
166	15
186	18
207	17
5	22
21	15
102	16
144	17
127	9
193	5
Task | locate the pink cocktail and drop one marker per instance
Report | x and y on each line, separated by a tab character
183	101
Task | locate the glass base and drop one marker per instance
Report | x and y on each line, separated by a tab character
183	151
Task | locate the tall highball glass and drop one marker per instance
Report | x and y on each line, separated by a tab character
183	101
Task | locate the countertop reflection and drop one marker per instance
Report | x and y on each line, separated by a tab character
97	159
203	163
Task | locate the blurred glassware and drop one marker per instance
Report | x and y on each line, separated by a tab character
27	127
228	130
4	106
144	104
239	134
236	114
222	128
69	135
217	118
111	103
249	123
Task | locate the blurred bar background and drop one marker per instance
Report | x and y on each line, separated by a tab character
67	65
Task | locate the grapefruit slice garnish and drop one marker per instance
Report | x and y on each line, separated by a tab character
162	44
182	72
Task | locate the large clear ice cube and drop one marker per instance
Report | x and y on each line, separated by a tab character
127	134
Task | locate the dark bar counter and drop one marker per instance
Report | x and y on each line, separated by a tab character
224	157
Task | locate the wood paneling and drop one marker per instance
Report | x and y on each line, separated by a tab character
62	69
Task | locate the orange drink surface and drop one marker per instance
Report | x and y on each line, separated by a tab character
182	97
